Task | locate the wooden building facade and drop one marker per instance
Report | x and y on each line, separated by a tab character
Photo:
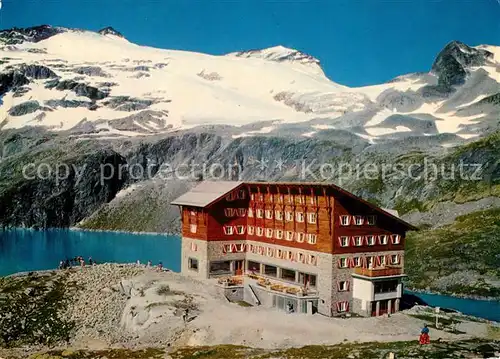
317	237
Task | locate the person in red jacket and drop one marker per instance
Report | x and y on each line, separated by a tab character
424	335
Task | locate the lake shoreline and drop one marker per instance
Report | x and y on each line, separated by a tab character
78	229
417	291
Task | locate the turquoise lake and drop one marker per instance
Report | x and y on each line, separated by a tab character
28	250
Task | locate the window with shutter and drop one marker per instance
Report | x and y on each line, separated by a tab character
396	239
260	231
311	217
358	241
342	307
342	286
382	260
228	230
345	220
300	217
344	241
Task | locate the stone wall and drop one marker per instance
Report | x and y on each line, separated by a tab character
235	294
327	272
357	307
265	297
197	249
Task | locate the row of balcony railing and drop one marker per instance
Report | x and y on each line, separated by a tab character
268	284
379	272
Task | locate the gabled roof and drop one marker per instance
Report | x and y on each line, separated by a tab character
394	212
206	193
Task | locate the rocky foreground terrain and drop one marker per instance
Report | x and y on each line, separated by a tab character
125	311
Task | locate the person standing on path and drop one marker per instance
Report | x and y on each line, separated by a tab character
424	335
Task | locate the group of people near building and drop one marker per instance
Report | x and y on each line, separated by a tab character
159	266
75	262
79	261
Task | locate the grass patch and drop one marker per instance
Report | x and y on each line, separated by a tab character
31	310
149	353
242	303
494	332
373	350
471	243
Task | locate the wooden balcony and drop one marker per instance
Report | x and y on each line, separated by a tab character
379	272
233	281
278	286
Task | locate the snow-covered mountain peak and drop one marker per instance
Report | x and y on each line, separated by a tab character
456	54
98	84
110	31
282	54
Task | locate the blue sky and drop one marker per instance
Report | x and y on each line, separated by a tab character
358	42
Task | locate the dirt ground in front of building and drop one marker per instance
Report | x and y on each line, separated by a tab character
130	307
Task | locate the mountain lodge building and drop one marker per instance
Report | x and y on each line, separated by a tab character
306	247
